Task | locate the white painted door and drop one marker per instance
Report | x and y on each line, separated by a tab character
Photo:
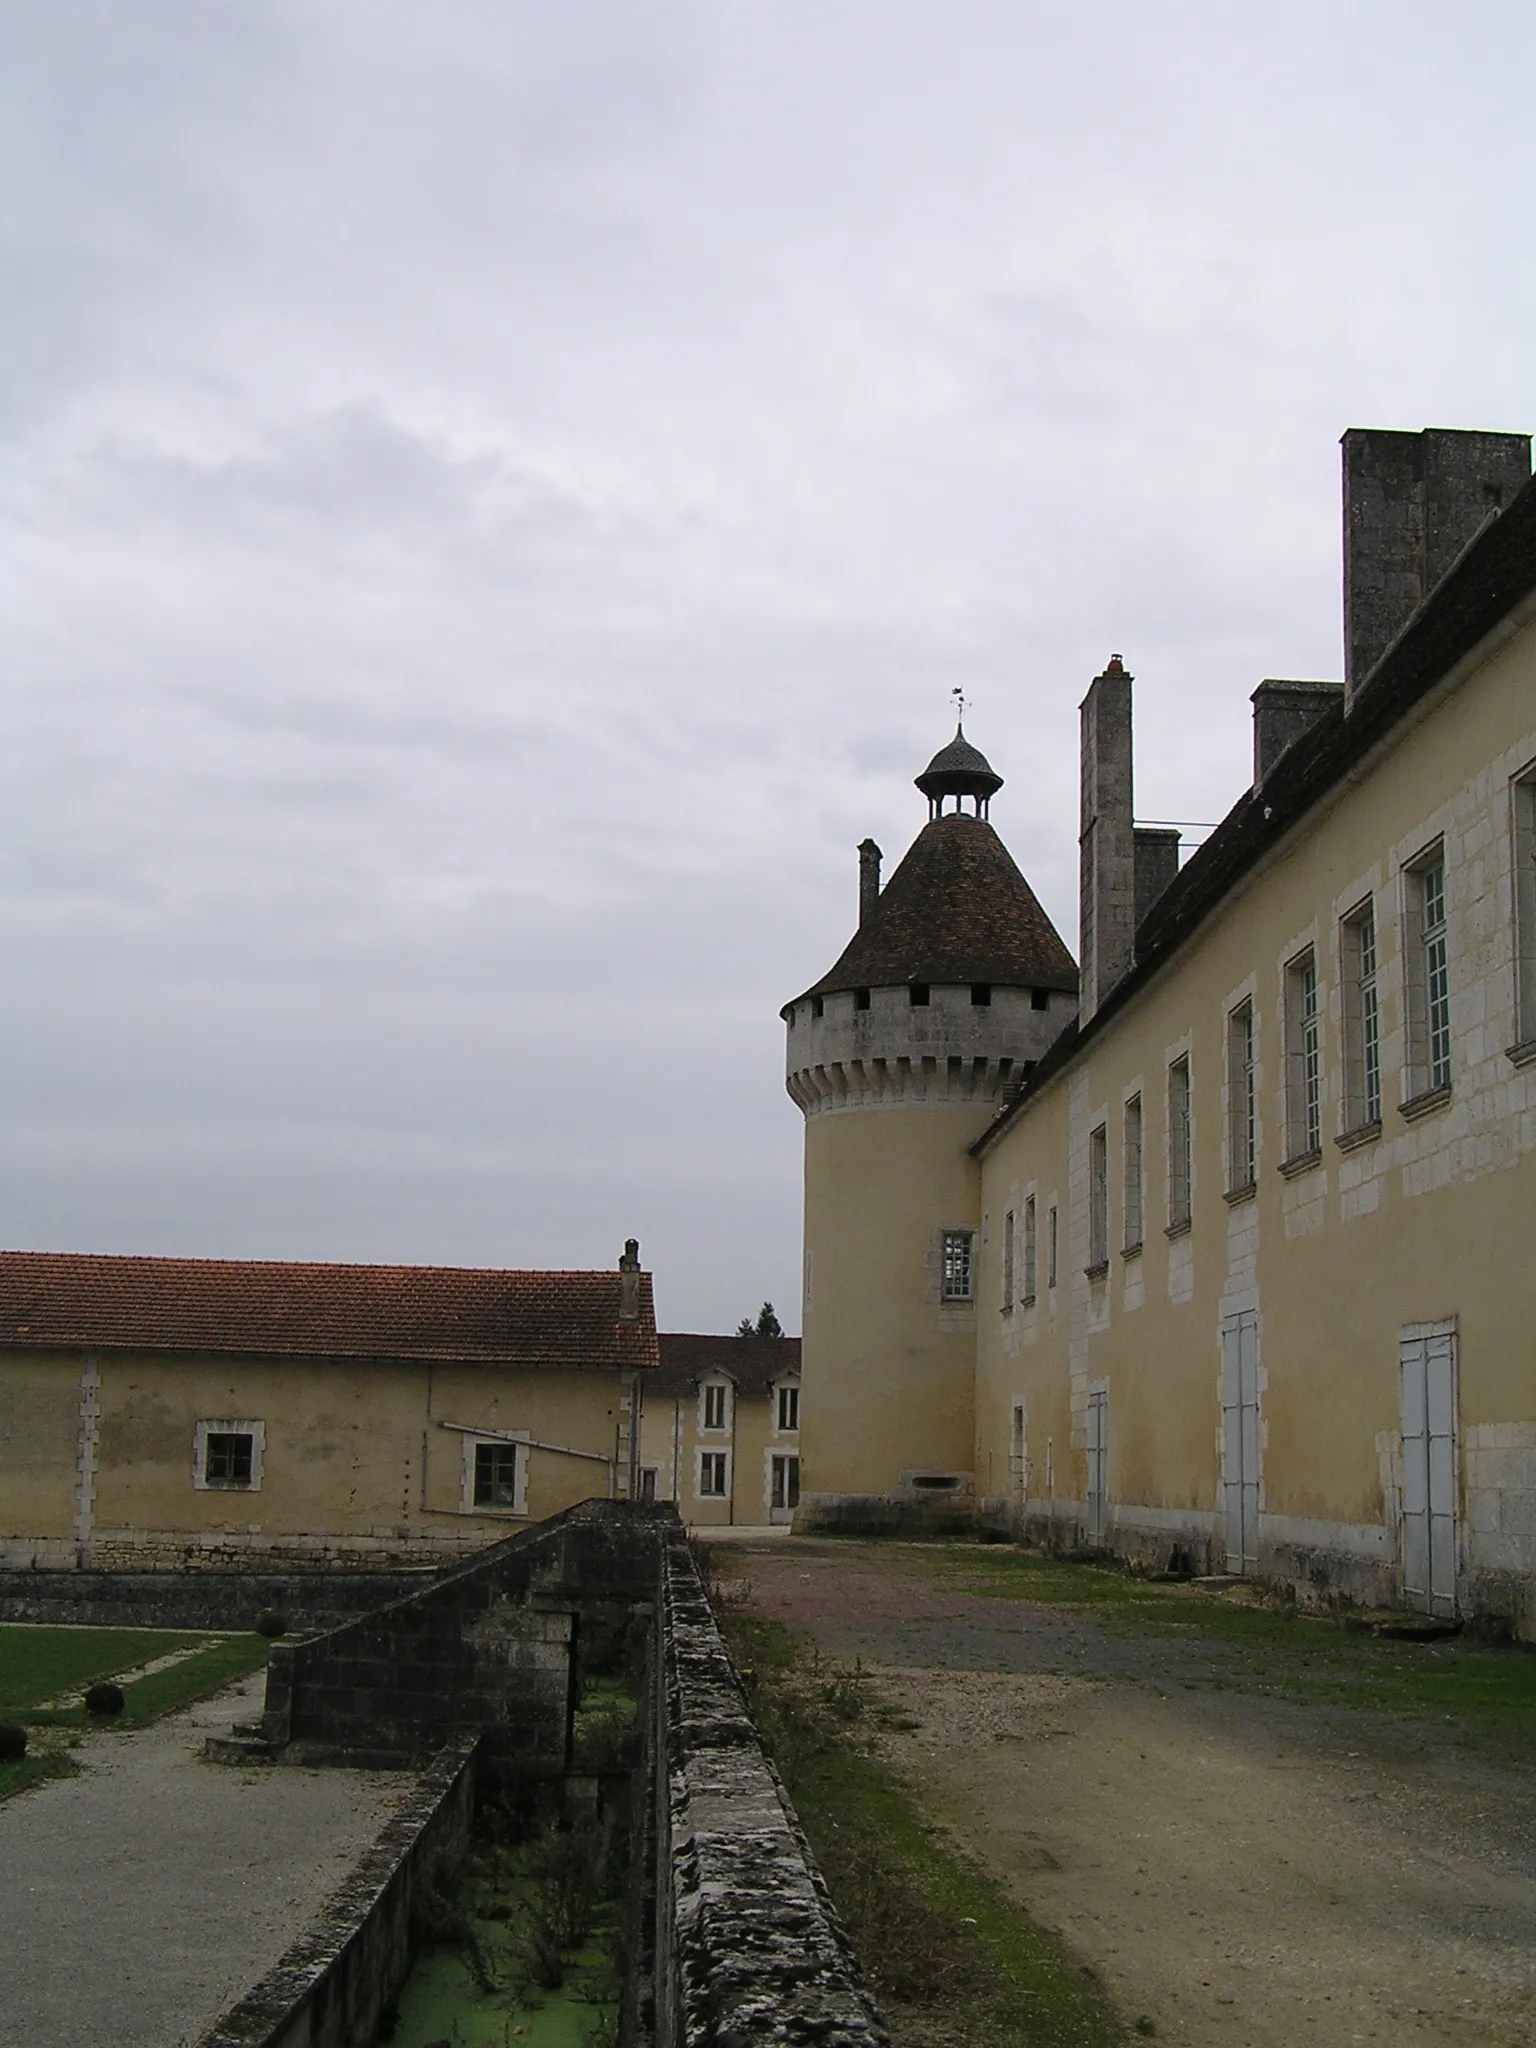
784	1488
1098	1464
1427	1366
1240	1440
1018	1457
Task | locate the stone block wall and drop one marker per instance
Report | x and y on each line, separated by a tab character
488	1645
335	1985
200	1599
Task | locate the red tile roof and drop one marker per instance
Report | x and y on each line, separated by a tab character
270	1308
957	909
754	1363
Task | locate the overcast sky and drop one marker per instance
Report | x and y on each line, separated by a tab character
496	496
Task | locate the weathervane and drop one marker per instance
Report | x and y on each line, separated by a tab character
961	706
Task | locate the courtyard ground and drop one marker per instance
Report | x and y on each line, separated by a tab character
1258	1830
142	1896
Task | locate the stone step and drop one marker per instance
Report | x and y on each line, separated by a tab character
238	1748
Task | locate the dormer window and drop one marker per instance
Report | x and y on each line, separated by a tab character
714	1406
789	1408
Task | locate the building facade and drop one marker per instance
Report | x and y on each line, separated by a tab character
1251	1280
720	1433
170	1412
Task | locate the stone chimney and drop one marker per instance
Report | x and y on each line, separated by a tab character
1411	504
1282	712
629	1281
869	879
1157	862
1106	842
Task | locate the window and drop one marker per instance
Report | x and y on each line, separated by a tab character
1039	999
1133	1201
917	994
1178	1145
648	1476
1303	1059
1050	1246
712	1475
957	1265
1029	1249
861	999
789	1409
784	1484
496	1475
1362	1020
1098	1199
1525	909
818	1006
714	1407
981	995
1008	1252
226	1456
1242	1132
1429	991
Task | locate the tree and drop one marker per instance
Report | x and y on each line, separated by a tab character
767	1324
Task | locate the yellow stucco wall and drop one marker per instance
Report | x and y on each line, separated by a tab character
888	1369
672	1434
1433	1220
357	1457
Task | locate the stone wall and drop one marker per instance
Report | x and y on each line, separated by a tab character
747	1946
200	1599
489	1645
334	1986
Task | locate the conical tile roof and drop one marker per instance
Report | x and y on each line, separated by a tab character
957	909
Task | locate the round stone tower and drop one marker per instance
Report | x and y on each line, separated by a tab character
955	982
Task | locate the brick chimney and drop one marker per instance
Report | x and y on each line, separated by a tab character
629	1281
1411	504
1107	840
869	879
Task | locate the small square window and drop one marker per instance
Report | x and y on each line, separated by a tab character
1039	999
789	1408
712	1470
227	1455
714	1407
917	993
228	1458
495	1475
981	995
957	1264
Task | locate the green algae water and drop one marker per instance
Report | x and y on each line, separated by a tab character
445	2002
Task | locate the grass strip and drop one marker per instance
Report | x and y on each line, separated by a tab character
38	1662
164	1692
22	1773
1487	1691
953	1962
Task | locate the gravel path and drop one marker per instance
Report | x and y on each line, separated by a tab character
1244	1871
141	1898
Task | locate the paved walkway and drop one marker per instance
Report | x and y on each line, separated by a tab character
140	1899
